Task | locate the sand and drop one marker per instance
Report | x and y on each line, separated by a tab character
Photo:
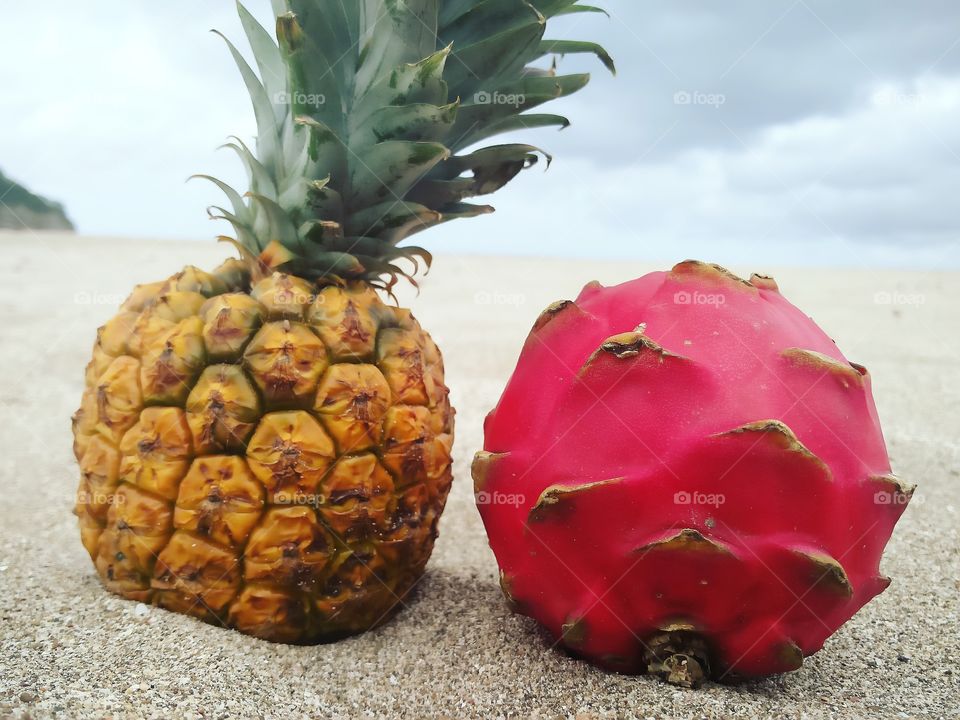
68	648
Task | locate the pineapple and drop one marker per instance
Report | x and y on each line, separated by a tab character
267	446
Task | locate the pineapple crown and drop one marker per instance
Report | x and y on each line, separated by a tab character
365	112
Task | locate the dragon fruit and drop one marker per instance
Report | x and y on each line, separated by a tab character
684	476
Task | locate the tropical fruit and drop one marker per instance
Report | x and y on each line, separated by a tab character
267	446
685	476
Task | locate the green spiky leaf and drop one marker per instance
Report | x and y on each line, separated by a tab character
369	114
563	47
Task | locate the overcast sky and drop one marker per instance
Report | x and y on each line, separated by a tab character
778	132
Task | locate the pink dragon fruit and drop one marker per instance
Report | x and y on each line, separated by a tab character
685	476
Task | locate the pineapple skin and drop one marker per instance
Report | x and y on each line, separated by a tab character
272	458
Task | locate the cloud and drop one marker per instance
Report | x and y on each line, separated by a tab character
874	186
111	109
774	62
790	131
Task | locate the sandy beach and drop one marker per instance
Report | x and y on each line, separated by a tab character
68	648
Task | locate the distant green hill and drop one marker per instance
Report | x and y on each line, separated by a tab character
19	207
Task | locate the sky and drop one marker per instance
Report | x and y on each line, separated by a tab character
782	132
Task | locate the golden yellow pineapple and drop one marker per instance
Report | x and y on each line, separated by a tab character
267	446
275	458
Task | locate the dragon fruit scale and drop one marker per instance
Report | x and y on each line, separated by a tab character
684	476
